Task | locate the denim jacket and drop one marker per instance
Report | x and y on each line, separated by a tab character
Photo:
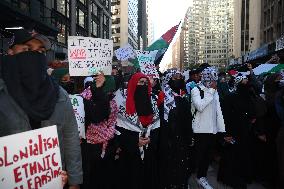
14	120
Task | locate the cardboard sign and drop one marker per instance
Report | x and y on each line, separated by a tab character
31	160
125	53
79	111
146	61
87	56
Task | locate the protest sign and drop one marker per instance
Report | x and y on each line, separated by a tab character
78	107
146	61
87	56
125	53
31	160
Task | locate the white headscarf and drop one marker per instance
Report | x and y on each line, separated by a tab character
88	79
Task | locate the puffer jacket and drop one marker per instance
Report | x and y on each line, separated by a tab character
207	113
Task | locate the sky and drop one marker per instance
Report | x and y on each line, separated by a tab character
166	14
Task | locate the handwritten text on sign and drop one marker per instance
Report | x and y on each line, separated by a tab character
78	107
87	56
31	160
124	53
146	61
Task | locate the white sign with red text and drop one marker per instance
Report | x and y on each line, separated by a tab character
31	160
88	56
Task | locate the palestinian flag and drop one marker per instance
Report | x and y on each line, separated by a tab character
162	45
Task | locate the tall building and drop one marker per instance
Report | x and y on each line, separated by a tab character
150	27
272	22
58	19
211	32
142	25
247	26
185	35
178	53
124	23
258	25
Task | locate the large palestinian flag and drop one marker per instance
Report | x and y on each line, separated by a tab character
162	44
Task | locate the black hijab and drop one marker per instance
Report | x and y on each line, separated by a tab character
29	84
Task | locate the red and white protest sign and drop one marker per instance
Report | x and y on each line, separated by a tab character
88	56
31	160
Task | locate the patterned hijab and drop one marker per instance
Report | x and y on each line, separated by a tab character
169	102
209	75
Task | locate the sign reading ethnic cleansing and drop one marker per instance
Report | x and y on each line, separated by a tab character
146	61
78	107
87	56
31	160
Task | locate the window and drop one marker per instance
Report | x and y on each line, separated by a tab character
61	37
116	39
81	18
83	1
116	21
67	8
115	30
106	34
107	3
105	20
61	6
94	28
95	9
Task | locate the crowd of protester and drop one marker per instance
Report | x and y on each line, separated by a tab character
144	132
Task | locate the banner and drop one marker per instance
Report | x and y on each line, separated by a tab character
125	53
31	160
79	111
146	61
87	56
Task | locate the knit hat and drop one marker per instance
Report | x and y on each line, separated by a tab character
169	74
194	71
88	79
109	85
59	73
44	40
203	66
209	74
20	37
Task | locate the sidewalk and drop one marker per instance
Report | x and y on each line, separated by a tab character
212	178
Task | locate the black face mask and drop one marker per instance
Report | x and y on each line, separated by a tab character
28	83
177	85
68	86
142	101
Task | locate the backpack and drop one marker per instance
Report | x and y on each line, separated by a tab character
202	96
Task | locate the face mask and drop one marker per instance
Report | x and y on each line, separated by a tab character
142	101
177	85
141	91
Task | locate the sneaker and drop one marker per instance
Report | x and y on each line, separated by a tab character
204	183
